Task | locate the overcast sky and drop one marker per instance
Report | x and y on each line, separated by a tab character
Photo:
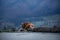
39	12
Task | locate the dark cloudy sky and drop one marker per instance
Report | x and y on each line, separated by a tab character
39	12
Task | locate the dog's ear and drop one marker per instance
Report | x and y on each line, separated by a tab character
24	25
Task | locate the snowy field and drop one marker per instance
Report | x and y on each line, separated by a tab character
29	36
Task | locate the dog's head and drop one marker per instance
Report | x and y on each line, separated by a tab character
27	26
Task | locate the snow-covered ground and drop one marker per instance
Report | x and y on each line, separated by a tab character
29	36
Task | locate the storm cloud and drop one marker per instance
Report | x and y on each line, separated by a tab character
29	10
